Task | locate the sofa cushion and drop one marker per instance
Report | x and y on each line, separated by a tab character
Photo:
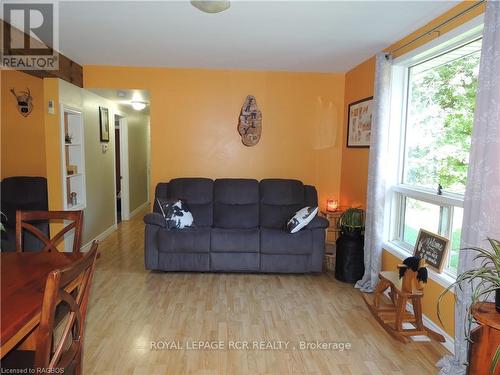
235	262
285	263
276	217
184	240
276	241
281	192
318	222
310	196
161	193
154	218
235	240
236	203
236	191
198	194
184	262
279	199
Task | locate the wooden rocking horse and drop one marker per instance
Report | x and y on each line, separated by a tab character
404	286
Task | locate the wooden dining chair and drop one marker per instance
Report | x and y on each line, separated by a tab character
68	286
24	220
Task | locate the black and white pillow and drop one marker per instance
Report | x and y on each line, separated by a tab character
176	213
300	219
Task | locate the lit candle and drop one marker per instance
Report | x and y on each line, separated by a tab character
332	205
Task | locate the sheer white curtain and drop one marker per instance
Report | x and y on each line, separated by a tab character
377	165
482	195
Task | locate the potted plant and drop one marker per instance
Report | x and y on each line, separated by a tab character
484	280
349	262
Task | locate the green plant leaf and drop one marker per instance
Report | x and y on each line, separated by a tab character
494	362
486	277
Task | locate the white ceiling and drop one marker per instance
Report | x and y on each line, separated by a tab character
124	97
320	36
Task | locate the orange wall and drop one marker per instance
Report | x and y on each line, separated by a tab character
354	174
359	85
22	138
53	144
194	117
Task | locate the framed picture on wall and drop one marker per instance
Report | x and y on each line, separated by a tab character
359	123
104	124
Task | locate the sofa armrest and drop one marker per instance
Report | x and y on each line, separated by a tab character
318	222
155	218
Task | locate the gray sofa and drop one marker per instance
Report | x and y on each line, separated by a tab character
239	228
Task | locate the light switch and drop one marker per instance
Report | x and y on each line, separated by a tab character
51	107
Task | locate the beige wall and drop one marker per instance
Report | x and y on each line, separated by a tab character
138	133
99	167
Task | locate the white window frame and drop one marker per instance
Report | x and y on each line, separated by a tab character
394	217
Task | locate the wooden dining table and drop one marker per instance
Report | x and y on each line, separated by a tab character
23	278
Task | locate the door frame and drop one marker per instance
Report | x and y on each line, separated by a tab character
125	193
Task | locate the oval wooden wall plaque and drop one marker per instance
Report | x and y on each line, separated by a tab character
250	123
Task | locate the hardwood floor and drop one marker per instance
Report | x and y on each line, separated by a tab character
130	308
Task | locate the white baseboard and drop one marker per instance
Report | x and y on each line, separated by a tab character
449	344
100	237
138	209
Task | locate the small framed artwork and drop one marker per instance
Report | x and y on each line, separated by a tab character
359	123
433	248
104	124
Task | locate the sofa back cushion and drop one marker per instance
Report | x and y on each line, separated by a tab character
310	196
239	203
196	192
161	194
236	203
280	199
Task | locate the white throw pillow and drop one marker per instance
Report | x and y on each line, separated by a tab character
301	218
176	214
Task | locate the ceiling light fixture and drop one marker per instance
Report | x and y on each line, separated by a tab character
211	6
138	106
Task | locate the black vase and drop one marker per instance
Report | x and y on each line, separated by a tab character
349	258
497	299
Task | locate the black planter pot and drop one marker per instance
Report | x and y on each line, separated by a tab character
497	300
349	258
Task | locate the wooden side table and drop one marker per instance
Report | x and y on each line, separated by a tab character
332	233
333	230
485	339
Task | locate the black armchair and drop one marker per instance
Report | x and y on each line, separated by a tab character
22	193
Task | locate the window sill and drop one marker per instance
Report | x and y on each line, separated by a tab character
443	279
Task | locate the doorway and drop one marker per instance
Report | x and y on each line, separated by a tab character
118	173
121	168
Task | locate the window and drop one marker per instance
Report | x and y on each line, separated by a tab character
438	94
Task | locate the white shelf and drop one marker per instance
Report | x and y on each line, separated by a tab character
76	207
73	155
